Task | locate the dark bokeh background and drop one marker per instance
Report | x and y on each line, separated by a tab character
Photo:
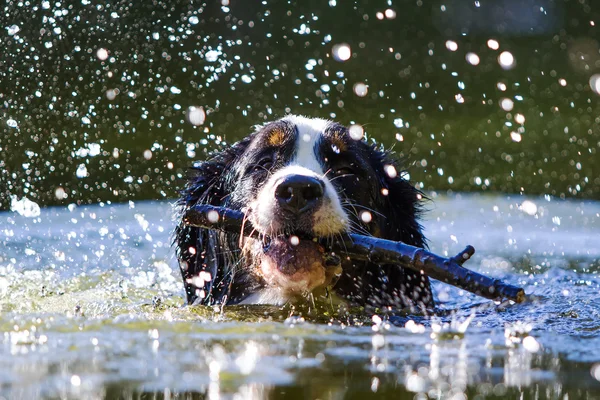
76	128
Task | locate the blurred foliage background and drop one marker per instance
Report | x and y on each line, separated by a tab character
113	100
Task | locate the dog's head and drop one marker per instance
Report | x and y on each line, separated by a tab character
299	179
288	174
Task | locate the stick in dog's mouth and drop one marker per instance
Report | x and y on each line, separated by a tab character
380	251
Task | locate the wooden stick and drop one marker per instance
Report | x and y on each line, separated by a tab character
378	251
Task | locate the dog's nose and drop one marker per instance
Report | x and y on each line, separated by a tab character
298	193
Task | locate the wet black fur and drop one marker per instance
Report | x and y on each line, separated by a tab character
362	283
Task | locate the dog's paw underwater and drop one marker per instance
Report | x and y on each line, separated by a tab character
298	179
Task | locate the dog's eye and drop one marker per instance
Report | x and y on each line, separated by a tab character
265	163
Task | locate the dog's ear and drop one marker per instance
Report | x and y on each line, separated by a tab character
205	256
402	205
400	200
398	206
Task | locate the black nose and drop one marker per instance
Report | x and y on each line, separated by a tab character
298	193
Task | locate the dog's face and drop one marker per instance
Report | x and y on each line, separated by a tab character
300	179
297	180
286	175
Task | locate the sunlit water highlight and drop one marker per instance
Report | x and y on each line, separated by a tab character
90	307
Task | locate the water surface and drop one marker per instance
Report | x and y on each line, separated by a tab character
91	307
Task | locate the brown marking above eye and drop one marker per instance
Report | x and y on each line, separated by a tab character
276	138
337	141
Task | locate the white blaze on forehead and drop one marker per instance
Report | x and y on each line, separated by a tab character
310	130
330	217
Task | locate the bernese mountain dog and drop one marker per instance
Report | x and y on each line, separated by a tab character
296	179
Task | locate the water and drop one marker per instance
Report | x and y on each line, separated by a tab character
111	102
91	307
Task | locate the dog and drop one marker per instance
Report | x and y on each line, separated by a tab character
296	179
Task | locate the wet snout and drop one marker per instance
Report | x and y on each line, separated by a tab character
297	194
297	200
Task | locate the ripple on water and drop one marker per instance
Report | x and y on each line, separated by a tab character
91	303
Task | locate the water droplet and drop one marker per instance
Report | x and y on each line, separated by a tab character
194	20
24	207
515	136
528	207
595	83
356	132
366	217
75	380
196	115
102	54
60	193
212	55
212	216
374	384
520	119
341	52
415	383
472	58
507	104
595	371
12	123
506	60
493	44
451	45
360	89
13	30
205	276
82	171
111	94
390	171
378	341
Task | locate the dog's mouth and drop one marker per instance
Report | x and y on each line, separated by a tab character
298	263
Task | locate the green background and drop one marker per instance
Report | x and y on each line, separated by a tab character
276	57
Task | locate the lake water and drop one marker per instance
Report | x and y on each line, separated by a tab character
91	307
